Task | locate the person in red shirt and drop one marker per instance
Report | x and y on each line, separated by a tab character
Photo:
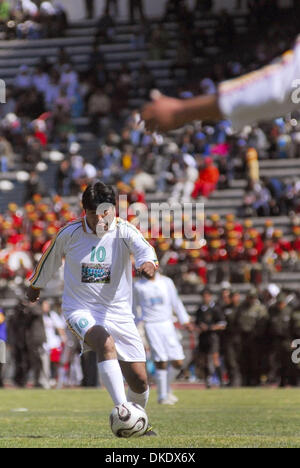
207	180
213	226
296	241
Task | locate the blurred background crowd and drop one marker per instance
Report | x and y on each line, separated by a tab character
64	124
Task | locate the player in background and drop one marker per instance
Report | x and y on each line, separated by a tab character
97	297
3	336
270	92
154	301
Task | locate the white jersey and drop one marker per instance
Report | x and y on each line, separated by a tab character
52	323
157	300
97	271
270	92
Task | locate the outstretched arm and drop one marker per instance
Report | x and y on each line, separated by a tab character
165	113
270	92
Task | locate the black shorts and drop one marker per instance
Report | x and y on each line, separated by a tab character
209	343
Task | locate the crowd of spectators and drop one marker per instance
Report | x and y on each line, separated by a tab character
27	19
189	165
37	129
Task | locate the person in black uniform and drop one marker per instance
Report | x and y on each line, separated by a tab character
251	322
26	336
209	322
231	340
279	330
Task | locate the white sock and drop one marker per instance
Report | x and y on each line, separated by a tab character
139	398
162	385
112	378
172	372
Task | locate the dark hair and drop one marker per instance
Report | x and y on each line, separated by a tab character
97	193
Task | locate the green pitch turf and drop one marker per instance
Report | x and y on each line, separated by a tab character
203	418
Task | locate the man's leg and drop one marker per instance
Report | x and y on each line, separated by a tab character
173	369
108	365
162	382
135	374
217	366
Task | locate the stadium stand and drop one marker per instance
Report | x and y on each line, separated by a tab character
49	151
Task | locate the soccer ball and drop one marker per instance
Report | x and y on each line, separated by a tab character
128	420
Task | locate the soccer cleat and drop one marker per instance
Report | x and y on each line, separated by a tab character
166	401
150	431
172	397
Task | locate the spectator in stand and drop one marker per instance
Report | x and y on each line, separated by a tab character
64	178
34	186
105	28
143	80
112	4
184	187
6	154
3	338
89	8
158	42
40	79
207	180
23	80
99	106
142	181
52	90
252	165
136	6
69	80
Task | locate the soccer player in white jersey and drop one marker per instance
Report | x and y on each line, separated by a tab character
97	297
267	93
154	301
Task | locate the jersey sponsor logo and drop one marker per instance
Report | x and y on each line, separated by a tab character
156	301
83	322
95	273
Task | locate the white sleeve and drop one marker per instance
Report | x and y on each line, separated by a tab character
177	303
138	246
50	261
268	93
136	305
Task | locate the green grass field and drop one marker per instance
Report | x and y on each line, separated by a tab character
203	418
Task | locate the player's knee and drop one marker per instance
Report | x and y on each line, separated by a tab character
177	364
161	365
107	348
101	342
140	384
